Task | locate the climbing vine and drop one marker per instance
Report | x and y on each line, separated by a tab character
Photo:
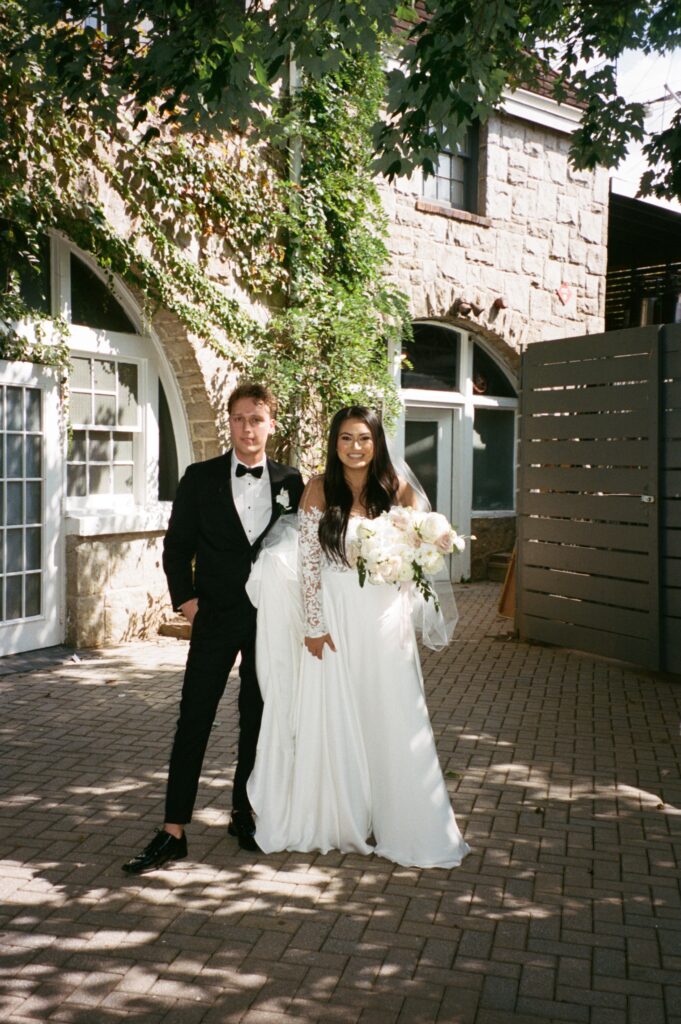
306	244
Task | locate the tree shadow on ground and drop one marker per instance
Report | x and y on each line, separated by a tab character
562	773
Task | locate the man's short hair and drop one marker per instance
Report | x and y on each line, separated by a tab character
258	392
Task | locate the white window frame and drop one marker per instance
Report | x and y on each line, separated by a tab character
462	403
98	514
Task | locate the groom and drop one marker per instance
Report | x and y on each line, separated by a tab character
223	509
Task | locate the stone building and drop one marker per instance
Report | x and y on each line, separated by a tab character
506	245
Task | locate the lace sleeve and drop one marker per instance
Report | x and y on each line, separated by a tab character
311	571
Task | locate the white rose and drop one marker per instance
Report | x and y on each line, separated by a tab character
433	526
400	517
433	562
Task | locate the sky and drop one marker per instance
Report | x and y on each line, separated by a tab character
644	77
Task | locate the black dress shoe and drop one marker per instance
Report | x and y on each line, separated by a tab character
242	826
162	848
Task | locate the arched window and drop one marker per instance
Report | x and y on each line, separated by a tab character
126	439
460	423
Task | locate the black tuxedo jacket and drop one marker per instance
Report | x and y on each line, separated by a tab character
206	553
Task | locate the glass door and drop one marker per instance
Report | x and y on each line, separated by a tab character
30	508
429	446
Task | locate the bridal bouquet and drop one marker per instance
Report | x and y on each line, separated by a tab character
403	546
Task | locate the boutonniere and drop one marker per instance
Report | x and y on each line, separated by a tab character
283	501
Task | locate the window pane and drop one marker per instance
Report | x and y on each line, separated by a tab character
123	447
32	560
493	458
33	409
430	186
434	355
93	304
34	450
105	410
127	394
15	550
76	486
81	408
33	502
168	470
13	608
443	189
104	375
100	480
122	476
99	447
15	417
457	195
420	454
488	378
15	449
15	503
32	594
78	446
80	373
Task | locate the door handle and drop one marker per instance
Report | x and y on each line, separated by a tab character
649	499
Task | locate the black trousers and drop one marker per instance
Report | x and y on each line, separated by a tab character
212	652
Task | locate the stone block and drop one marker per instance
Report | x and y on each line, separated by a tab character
546	203
553	275
533	265
499	203
87	567
87	622
567	210
577	251
540	304
509	254
497	164
523	204
591	227
557	167
560	239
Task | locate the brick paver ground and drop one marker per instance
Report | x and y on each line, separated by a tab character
564	772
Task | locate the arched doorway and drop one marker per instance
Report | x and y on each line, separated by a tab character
459	430
85	490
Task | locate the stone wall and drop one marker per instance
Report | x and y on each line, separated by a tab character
537	244
115	588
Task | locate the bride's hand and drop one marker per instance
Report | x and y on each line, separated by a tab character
315	644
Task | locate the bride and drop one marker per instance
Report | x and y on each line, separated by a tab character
346	758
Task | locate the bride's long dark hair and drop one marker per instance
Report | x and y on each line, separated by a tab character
379	491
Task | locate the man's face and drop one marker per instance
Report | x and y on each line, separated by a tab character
250	425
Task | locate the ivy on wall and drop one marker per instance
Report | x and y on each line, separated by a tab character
308	245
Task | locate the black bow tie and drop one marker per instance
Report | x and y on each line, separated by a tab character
255	471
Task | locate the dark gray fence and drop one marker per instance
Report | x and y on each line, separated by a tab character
599	509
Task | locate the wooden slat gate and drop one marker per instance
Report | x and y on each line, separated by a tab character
599	502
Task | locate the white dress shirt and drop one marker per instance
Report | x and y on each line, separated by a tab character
253	499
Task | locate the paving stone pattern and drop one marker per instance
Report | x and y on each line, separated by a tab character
564	773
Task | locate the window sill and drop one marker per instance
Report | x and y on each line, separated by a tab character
98	522
443	210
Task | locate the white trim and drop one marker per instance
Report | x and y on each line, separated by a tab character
541	110
62	247
150	519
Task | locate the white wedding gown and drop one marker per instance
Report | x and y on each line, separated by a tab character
346	749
